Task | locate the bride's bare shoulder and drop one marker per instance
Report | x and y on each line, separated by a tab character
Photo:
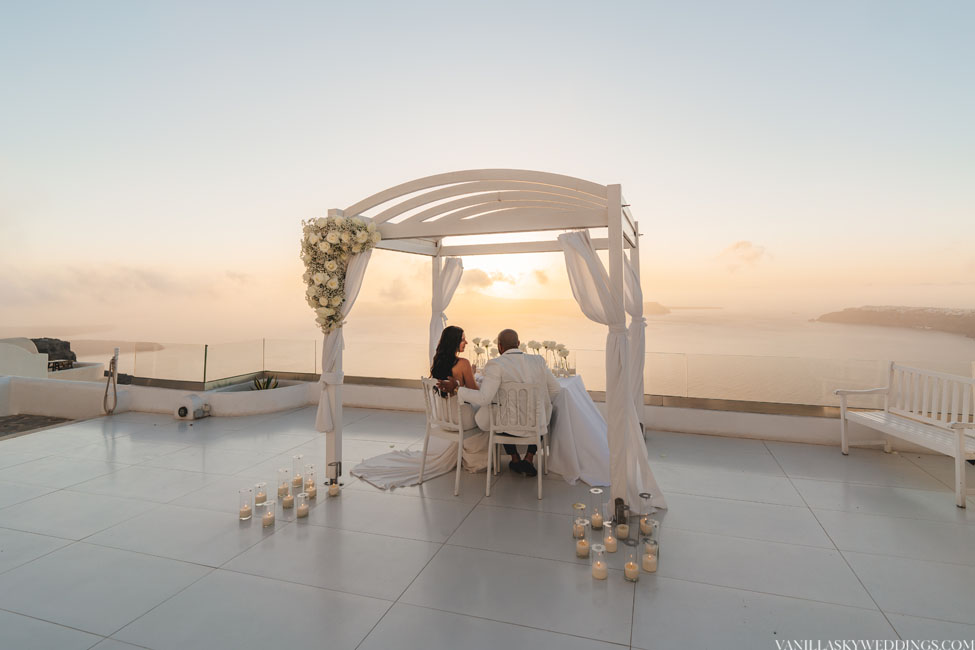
462	364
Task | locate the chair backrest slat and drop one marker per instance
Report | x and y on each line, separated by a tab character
442	412
516	409
933	397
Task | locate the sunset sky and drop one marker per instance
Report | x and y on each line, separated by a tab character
156	158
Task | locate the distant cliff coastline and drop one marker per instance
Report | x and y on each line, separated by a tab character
952	321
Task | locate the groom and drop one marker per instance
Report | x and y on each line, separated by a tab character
511	366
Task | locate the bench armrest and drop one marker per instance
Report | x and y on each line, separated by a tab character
868	391
962	425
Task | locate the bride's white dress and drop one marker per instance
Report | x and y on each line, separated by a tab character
578	446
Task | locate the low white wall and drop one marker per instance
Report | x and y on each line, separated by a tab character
61	399
15	359
84	371
5	396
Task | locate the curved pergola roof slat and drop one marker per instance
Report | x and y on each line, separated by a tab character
495	199
499	220
544	179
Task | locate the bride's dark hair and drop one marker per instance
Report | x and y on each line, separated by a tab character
446	355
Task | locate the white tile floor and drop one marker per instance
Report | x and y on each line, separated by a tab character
122	533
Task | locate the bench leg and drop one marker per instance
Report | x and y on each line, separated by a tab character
886	445
960	490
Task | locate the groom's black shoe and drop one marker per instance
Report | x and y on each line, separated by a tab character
517	466
529	469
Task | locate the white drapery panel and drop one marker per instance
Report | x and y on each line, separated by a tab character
450	275
630	471
636	336
333	344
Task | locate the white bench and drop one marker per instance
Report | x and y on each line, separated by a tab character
930	409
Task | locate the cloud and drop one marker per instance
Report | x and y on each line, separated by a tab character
541	276
395	291
742	254
480	279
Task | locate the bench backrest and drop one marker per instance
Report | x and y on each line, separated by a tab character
932	397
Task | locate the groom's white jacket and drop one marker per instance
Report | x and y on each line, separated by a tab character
512	366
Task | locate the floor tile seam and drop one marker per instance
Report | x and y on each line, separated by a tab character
845	560
573	562
769	593
931	618
308	584
144	647
34	532
909	557
371	532
165	600
958	524
723	468
53	550
32	460
862	483
450	499
755	539
103	546
68	627
522	625
29	499
926	471
711	496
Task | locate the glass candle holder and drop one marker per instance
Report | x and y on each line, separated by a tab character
334	489
288	500
623	527
646	512
596	508
578	512
579	528
631	552
311	489
651	552
302	509
296	464
268	518
260	493
582	543
246	503
609	537
600	568
284	482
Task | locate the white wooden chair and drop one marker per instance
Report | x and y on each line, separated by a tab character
517	413
444	420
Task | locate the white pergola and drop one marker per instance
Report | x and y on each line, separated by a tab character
417	216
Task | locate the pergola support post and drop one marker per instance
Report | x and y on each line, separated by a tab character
436	262
635	265
616	395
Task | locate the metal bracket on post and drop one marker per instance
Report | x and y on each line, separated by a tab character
334	471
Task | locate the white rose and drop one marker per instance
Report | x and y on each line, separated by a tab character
332	237
357	248
357	221
324	247
338	221
331	266
522	347
371	227
306	277
320	278
306	258
321	222
312	302
337	300
376	237
560	347
313	238
362	236
323	301
344	237
311	291
328	311
564	354
333	283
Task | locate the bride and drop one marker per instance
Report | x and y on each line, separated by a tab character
447	363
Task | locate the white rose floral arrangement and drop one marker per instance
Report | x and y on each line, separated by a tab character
327	245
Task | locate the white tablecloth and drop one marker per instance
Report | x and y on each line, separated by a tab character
577	441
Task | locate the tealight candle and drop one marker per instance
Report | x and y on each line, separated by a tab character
311	490
597	521
582	548
578	528
296	479
609	540
333	490
631	571
268	518
288	501
649	563
245	512
302	510
623	530
599	570
246	499
260	497
282	490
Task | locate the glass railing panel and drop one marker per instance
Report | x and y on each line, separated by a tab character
233	359
390	360
100	351
283	355
665	373
176	361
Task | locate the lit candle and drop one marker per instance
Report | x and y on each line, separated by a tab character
288	501
597	521
296	481
582	548
645	526
268	518
610	543
333	490
623	530
650	563
260	498
311	491
282	490
578	529
309	483
599	570
303	510
631	571
245	511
